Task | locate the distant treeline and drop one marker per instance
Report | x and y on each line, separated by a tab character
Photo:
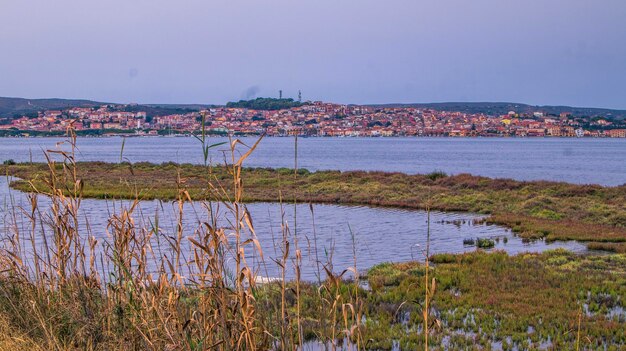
265	104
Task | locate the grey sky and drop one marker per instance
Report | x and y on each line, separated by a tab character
569	52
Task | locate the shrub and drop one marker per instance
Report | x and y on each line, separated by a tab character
485	243
434	175
444	258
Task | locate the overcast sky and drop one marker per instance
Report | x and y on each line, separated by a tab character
570	52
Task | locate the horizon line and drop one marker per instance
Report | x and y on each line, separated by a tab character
332	102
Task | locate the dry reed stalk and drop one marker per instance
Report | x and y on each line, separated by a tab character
355	300
138	297
298	258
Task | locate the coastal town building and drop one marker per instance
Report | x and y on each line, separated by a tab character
320	119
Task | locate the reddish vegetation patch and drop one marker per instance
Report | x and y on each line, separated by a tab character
534	228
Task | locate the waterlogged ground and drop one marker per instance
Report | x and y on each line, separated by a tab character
327	233
520	302
556	300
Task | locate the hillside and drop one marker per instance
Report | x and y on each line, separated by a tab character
269	104
10	107
499	108
17	106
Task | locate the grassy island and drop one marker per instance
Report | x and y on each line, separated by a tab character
533	209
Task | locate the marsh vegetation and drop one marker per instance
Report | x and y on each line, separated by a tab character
535	209
77	292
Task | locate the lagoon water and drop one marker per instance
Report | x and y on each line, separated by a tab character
376	234
585	160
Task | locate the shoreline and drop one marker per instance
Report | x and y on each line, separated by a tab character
131	135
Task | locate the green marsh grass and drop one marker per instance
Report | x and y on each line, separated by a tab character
537	209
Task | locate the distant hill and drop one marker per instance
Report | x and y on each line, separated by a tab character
19	106
11	107
265	104
500	108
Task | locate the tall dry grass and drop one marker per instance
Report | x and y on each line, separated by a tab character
144	288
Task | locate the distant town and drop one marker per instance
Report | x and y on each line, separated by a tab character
310	119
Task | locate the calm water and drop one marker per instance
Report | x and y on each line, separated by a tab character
600	161
380	234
